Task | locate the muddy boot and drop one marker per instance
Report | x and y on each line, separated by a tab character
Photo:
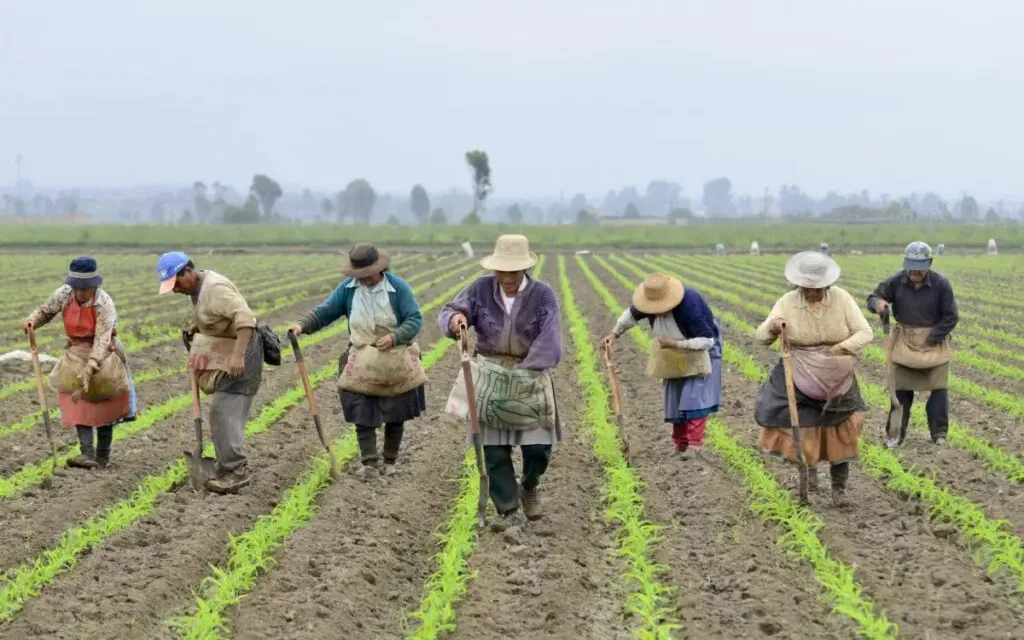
231	481
82	462
389	469
531	504
691	453
839	472
102	459
508	520
812	480
367	472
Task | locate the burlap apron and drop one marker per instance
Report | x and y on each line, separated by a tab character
109	381
373	372
209	357
507	399
668	362
918	366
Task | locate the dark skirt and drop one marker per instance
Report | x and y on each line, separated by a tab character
371	411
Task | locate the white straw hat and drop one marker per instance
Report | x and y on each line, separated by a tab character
812	270
511	253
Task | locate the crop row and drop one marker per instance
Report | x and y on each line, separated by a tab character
998	546
772	502
28	580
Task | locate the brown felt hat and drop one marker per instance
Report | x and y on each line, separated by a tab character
365	260
658	294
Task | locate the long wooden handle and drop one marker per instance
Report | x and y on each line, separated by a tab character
300	363
467	374
613	380
197	411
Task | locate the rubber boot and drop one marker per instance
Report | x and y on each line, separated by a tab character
87	459
812	479
839	472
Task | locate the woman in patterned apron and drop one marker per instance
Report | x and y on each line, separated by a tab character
90	321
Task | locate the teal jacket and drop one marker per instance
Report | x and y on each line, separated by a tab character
339	303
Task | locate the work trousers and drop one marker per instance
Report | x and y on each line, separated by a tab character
503	486
689	434
936	408
367	437
229	413
103	437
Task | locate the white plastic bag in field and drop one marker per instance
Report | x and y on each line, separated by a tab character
467	249
755	249
992	247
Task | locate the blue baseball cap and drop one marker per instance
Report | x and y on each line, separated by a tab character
917	256
167	268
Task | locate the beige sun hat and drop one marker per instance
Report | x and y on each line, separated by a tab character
812	270
511	253
658	294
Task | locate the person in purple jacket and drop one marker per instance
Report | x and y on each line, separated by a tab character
683	322
519	341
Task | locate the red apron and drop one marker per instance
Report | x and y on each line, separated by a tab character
80	326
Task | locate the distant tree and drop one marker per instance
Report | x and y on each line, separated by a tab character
631	211
326	208
343	205
200	202
186	217
661	196
991	217
481	166
944	212
394	221
437	217
471	218
514	214
969	209
579	201
218	193
249	213
157	215
930	204
308	202
361	198
420	204
793	200
67	201
267	192
718	197
586	216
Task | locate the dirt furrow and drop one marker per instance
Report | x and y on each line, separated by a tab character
557	577
733	582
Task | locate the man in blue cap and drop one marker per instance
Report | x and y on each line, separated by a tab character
226	354
923	303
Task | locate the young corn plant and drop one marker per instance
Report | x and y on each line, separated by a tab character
770	501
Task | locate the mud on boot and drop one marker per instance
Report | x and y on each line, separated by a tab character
532	508
367	472
82	462
839	498
103	459
508	520
231	481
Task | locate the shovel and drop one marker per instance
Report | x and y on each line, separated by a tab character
613	380
301	365
474	421
893	426
794	416
200	469
42	393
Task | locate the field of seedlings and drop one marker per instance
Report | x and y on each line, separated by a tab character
635	543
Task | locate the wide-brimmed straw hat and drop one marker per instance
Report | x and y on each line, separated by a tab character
83	273
658	294
511	253
812	270
365	260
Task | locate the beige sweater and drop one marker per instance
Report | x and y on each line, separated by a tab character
220	310
837	320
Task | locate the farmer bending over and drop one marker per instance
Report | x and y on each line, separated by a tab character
226	354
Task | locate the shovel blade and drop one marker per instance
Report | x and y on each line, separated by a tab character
198	474
893	426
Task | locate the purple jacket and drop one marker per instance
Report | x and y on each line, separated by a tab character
533	331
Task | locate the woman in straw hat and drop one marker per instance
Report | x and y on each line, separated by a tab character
519	342
687	354
90	321
383	321
826	331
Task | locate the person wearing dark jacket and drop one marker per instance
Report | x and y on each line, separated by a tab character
924	306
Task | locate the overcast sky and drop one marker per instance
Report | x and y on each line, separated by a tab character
573	95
